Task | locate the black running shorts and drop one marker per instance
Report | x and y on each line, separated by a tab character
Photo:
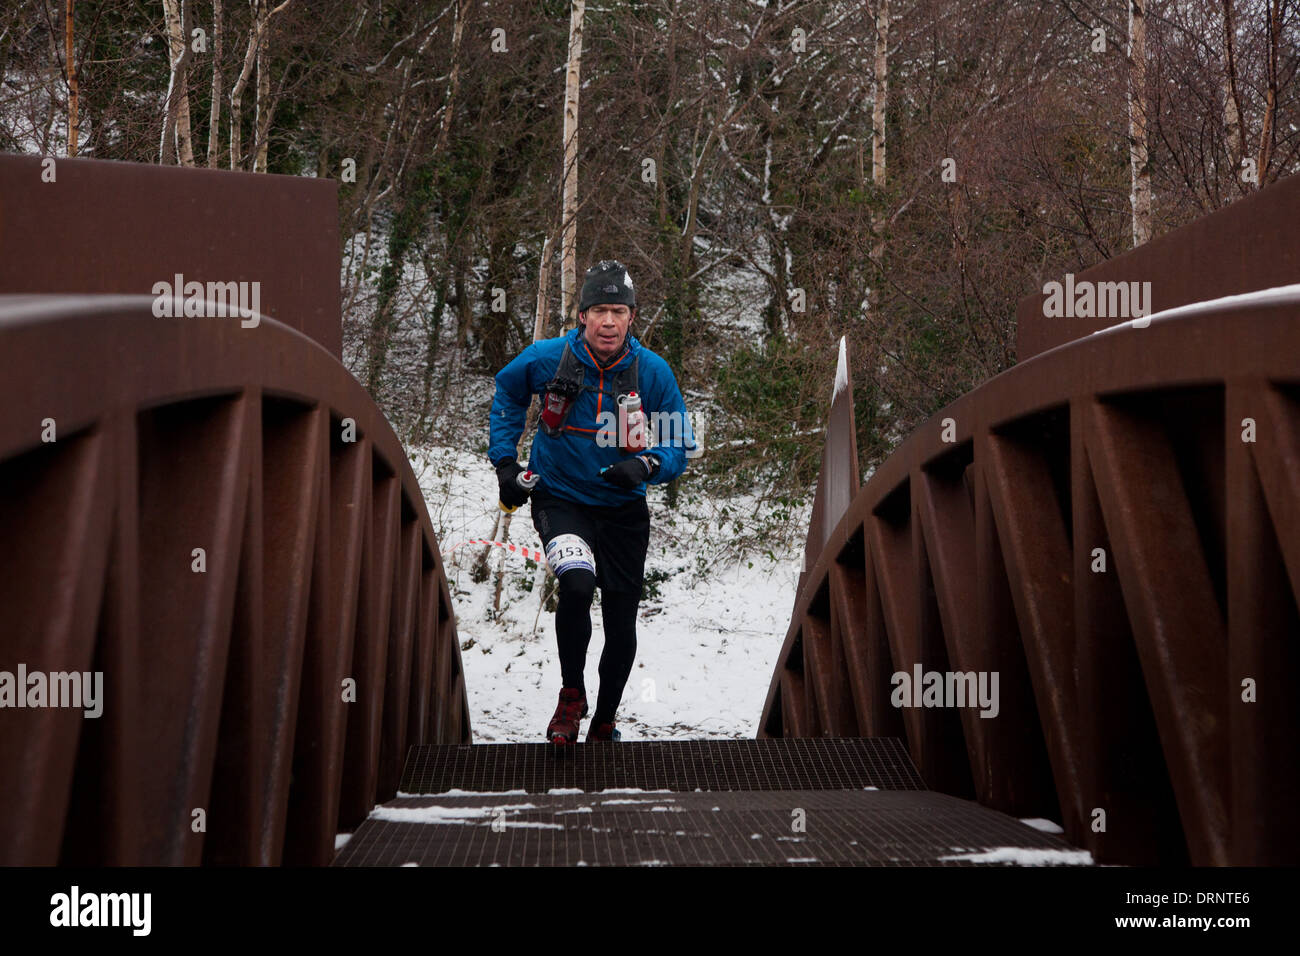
613	537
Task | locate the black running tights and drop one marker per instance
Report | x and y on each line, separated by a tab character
573	629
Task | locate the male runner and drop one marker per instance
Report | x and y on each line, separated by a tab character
589	504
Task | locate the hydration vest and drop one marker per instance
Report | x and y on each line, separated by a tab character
570	381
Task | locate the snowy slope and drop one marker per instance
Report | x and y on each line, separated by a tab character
707	643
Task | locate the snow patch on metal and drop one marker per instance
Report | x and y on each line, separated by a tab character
1038	823
1273	296
1023	856
841	371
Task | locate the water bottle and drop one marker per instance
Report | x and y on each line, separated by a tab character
526	480
631	423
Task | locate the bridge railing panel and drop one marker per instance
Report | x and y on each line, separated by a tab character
1113	530
218	523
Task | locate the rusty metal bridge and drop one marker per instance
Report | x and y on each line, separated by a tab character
215	517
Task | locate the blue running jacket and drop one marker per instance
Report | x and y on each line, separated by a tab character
569	465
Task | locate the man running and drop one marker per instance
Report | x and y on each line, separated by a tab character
589	503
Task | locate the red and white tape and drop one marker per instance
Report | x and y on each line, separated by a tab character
517	549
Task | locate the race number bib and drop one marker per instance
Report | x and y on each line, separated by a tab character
568	551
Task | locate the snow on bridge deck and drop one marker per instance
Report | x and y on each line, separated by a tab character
769	802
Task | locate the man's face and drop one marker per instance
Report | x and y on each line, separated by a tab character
606	329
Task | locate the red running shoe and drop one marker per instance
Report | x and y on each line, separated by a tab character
605	731
563	729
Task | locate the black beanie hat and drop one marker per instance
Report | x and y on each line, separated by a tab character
607	283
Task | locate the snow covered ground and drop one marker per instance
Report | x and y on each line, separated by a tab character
707	642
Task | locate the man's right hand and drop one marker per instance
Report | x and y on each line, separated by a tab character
508	471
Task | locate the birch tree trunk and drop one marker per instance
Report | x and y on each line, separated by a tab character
881	94
457	31
539	326
1268	132
262	106
543	288
237	100
569	252
214	117
1140	193
261	20
779	321
74	124
1231	99
878	107
177	109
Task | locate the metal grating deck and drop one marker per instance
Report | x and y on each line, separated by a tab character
749	828
795	763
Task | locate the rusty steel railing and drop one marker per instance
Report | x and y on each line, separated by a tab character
1113	527
1239	248
89	225
258	583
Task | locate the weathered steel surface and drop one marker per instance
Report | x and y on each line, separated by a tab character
1241	248
122	227
1156	688
225	688
839	463
798	763
795	802
751	828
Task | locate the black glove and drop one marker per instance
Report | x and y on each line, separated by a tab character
630	472
508	470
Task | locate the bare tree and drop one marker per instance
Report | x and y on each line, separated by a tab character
256	35
409	106
880	100
176	110
74	124
262	105
569	241
214	117
1231	95
1137	122
453	84
1267	134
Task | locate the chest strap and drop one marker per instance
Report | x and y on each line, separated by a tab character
570	381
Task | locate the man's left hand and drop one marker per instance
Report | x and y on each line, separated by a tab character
631	472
